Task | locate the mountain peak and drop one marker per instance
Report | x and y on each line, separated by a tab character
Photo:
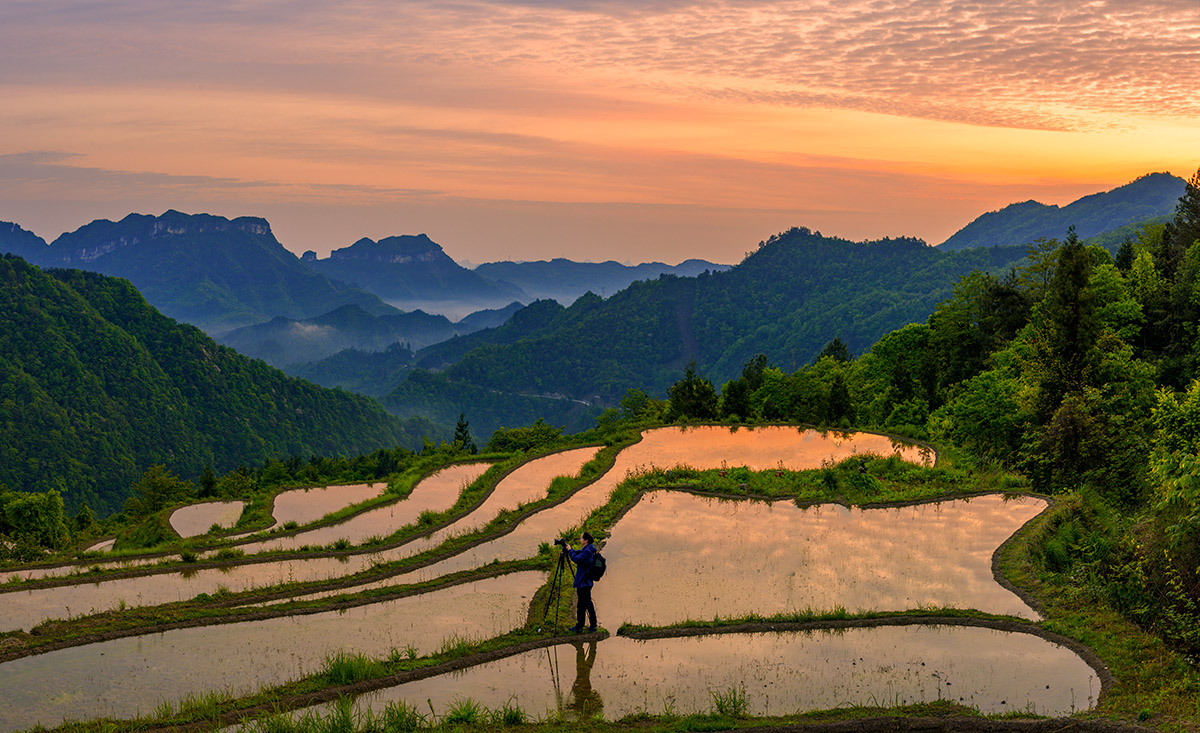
1146	197
401	249
103	236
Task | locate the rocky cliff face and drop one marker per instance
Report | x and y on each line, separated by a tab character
400	250
103	237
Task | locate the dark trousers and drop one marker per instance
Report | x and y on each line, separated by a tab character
585	605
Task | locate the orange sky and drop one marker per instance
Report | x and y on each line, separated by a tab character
583	128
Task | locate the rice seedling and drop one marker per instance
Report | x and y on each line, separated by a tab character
731	702
344	669
464	711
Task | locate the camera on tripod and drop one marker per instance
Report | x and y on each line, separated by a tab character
561	541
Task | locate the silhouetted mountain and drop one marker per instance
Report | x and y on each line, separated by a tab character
1152	195
565	280
213	272
490	317
408	270
99	386
22	242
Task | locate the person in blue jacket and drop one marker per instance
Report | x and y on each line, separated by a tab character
583	559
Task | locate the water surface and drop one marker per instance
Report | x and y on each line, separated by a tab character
125	677
432	496
676	556
197	519
697	447
25	608
780	673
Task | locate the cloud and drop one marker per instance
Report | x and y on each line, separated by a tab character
1039	64
56	168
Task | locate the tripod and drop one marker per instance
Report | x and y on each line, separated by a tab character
555	595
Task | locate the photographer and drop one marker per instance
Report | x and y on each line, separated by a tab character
583	559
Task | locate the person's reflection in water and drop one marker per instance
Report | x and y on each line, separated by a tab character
585	702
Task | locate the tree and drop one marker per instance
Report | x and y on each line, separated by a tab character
1187	214
157	488
692	397
1066	330
836	350
208	483
462	435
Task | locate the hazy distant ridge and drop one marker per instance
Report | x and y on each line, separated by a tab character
210	271
565	280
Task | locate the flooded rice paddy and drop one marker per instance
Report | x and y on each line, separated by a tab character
125	677
436	495
703	447
779	672
673	556
676	556
189	521
26	608
289	506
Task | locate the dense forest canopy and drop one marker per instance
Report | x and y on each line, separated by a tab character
95	386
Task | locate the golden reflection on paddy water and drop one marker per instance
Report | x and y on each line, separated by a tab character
779	672
432	496
23	609
288	507
125	677
676	556
703	447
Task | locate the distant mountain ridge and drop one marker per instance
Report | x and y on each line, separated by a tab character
410	269
565	280
1150	196
286	342
207	270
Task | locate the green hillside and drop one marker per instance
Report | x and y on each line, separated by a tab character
95	386
787	300
209	271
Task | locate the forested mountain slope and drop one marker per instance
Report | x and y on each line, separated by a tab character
788	299
209	271
97	386
1148	197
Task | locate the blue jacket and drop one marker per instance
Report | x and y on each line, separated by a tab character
583	559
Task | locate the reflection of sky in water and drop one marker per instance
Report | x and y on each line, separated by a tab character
123	677
781	673
698	447
676	556
23	609
299	505
308	505
190	521
436	493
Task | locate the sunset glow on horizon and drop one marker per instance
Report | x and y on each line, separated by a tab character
587	129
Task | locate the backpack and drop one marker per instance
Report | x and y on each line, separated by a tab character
598	568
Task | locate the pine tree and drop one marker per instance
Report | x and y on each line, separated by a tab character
1187	215
462	435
